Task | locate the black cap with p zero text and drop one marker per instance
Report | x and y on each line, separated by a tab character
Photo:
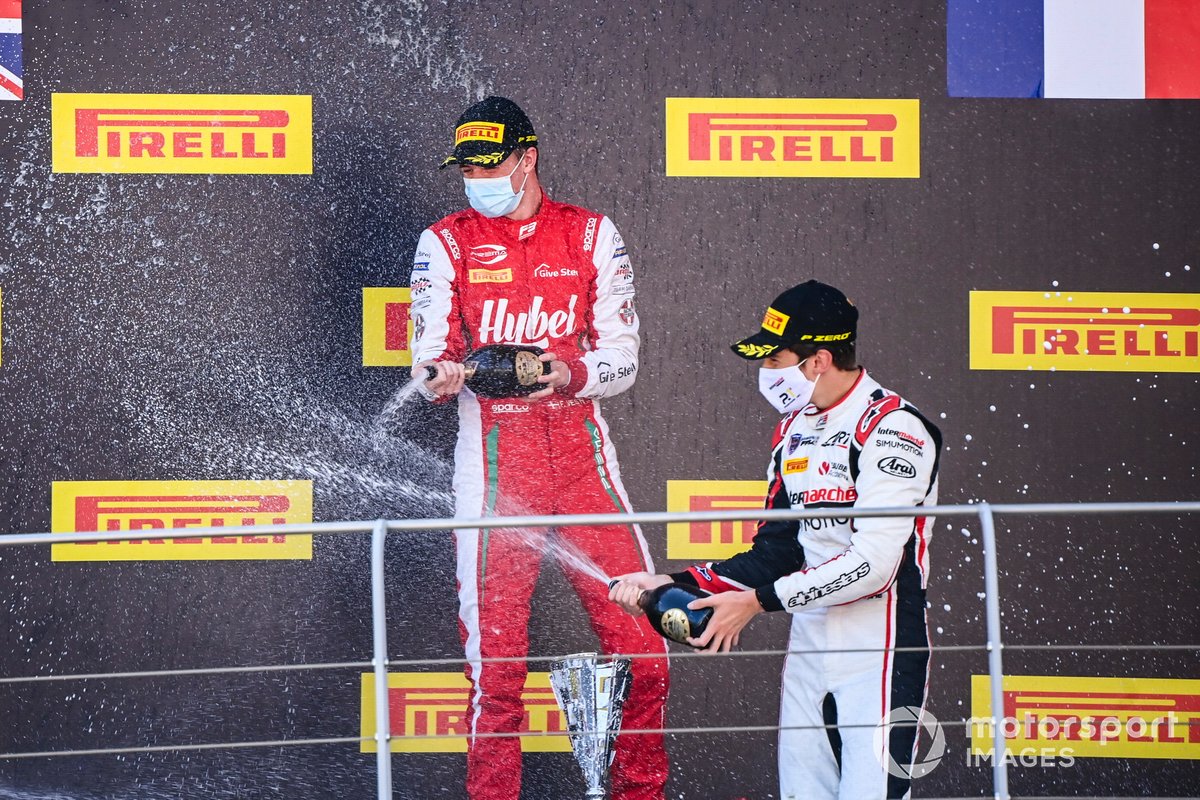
488	132
811	312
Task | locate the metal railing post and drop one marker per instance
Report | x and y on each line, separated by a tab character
991	585
383	724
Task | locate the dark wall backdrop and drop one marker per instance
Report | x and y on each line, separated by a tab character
193	327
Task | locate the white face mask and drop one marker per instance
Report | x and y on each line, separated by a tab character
494	197
786	388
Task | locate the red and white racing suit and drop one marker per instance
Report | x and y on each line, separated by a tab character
849	585
562	281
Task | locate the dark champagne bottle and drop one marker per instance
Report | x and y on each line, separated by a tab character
503	370
666	608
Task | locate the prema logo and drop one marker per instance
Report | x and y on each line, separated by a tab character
796	138
705	541
1086	717
1085	331
435	704
387	327
182	133
139	508
489	253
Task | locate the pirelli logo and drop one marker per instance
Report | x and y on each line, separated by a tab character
705	541
1085	331
435	704
792	466
182	133
387	327
490	275
793	138
775	321
484	131
139	508
1091	717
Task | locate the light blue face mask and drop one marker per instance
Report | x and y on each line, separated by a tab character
494	197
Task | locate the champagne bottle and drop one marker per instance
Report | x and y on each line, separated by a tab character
666	608
503	370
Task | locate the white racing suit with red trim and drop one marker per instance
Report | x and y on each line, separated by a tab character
849	585
561	281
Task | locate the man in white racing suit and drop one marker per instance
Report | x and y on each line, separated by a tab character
849	584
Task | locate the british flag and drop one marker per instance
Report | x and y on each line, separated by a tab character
11	82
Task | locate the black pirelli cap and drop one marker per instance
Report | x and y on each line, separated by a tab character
812	312
488	132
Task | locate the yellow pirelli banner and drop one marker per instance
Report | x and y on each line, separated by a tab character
1085	331
182	133
1090	717
756	137
139	508
434	704
387	327
712	541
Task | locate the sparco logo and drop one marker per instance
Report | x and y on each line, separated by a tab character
510	408
894	465
589	235
840	582
489	253
453	245
547	271
535	326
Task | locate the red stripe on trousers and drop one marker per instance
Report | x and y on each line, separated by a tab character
887	658
1172	48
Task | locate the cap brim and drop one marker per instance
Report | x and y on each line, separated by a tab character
489	155
757	347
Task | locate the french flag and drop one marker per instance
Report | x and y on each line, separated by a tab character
11	86
1117	49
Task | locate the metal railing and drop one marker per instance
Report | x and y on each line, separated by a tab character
379	529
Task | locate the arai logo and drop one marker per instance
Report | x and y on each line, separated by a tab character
894	465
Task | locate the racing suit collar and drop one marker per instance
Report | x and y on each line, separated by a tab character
862	386
514	227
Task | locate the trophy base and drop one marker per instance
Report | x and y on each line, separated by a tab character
595	794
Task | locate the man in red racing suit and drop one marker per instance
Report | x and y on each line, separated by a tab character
519	268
